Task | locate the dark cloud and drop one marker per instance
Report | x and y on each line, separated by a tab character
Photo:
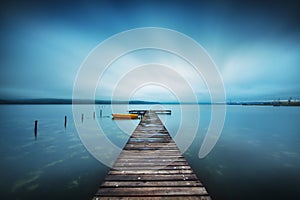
52	38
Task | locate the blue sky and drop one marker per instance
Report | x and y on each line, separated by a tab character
255	45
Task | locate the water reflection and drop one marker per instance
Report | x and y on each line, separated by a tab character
258	151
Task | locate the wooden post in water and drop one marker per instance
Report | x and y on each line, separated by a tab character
81	118
35	128
100	113
94	115
65	121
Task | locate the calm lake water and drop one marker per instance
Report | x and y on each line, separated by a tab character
256	157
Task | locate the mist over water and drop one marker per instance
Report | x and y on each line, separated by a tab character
257	155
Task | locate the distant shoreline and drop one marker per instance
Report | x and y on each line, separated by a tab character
76	101
137	102
267	103
69	101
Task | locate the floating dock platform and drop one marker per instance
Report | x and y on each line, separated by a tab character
142	112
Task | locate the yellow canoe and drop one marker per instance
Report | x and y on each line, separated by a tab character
125	116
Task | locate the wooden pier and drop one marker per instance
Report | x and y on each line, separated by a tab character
151	167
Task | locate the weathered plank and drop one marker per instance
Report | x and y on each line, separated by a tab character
155	198
152	158
151	148
156	177
157	145
162	171
142	112
151	191
150	164
148	151
151	167
150	183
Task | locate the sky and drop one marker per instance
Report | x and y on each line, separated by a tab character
254	44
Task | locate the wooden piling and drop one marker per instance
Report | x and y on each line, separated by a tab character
65	124
35	128
151	167
100	113
94	115
82	118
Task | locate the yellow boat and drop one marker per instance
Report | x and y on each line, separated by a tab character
125	116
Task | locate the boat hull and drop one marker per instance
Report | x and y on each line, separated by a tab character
125	116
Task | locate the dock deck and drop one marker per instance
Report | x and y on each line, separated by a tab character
142	112
151	167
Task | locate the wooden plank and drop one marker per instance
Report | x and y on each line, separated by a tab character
150	162
174	152
143	166
151	167
175	171
151	145
150	183
137	132
150	159
151	191
146	146
149	154
156	198
150	136
142	112
152	151
120	166
150	140
176	163
129	166
156	177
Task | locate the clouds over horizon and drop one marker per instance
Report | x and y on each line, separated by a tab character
254	44
263	69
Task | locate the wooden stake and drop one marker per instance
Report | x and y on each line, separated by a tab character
65	121
35	128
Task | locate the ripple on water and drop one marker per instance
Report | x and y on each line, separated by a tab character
53	163
74	183
28	182
290	154
289	165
